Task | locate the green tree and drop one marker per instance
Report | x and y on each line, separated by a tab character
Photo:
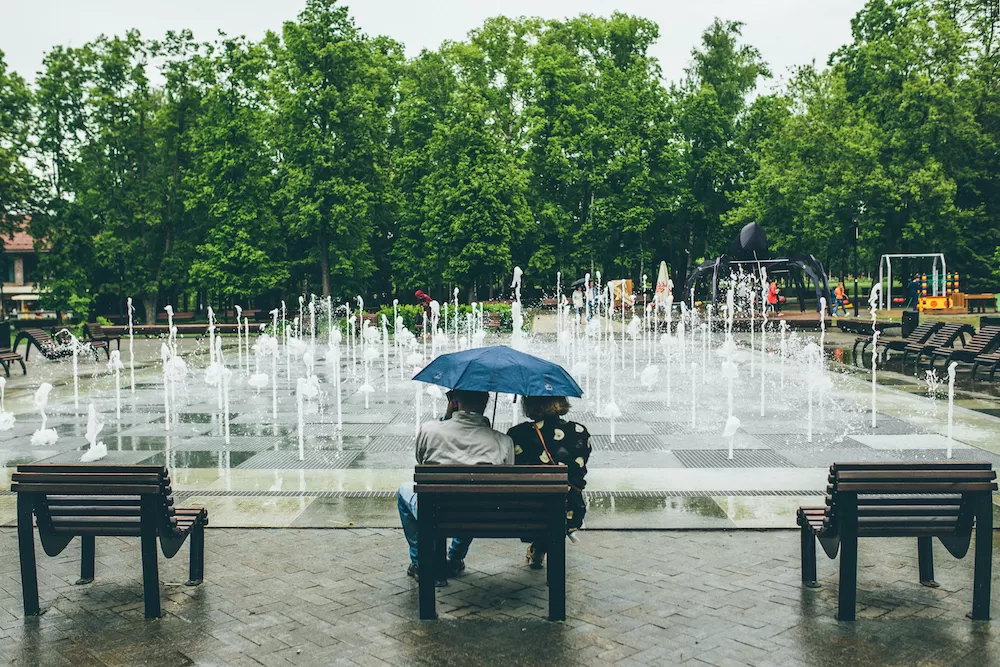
230	184
332	89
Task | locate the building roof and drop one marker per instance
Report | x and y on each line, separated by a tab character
20	242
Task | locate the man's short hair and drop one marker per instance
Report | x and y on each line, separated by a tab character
470	401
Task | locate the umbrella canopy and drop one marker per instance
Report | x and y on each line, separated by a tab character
578	282
500	369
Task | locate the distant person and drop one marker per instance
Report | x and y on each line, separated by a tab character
839	298
424	300
773	297
913	293
463	437
550	439
578	301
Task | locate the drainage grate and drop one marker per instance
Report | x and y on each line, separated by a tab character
797	441
349	429
290	460
626	443
113	457
391	443
236	443
674	428
742	458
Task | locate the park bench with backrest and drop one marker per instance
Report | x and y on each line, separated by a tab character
980	302
986	340
491	501
923	500
92	500
919	335
7	355
98	338
946	336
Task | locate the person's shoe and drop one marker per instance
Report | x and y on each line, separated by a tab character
534	558
414	571
455	566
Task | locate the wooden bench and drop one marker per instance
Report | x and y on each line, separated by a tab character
91	500
186	316
98	338
980	302
7	355
922	500
490	501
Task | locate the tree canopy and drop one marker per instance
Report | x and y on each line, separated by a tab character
321	159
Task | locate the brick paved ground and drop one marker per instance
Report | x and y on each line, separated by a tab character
320	597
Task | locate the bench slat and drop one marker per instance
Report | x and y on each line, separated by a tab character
499	489
85	489
474	478
915	487
89	468
915	476
923	465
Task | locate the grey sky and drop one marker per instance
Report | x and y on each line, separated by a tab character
787	32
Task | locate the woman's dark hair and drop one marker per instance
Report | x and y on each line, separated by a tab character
540	407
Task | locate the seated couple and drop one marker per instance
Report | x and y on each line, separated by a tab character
465	437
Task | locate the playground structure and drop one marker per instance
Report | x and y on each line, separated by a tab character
934	293
749	253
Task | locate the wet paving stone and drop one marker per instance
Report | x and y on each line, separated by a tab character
341	597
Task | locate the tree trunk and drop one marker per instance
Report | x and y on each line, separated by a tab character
324	264
149	303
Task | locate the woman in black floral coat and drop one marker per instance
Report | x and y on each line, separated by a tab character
550	439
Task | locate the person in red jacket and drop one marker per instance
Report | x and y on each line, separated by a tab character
424	301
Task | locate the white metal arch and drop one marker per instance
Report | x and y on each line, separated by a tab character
885	274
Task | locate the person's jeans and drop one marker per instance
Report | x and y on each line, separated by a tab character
406	501
839	306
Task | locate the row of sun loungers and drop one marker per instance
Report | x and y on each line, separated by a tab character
931	342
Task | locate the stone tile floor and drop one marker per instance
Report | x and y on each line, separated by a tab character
322	597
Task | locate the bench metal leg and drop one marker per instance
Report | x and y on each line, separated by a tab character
556	563
196	569
848	595
808	558
26	547
88	556
427	561
984	559
150	569
925	561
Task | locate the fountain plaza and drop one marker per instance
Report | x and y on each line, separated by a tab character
689	431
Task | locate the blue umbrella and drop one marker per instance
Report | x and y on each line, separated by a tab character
499	369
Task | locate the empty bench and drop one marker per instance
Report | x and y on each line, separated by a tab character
490	501
90	501
923	500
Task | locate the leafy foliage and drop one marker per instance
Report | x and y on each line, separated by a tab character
320	159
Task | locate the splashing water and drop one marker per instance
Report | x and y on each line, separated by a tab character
95	450
43	436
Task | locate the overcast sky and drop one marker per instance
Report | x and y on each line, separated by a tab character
787	32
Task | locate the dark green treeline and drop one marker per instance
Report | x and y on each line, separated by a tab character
321	159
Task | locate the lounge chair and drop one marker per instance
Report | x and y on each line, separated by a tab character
986	340
984	362
897	343
946	336
43	342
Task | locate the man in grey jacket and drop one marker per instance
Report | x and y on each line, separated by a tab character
463	437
